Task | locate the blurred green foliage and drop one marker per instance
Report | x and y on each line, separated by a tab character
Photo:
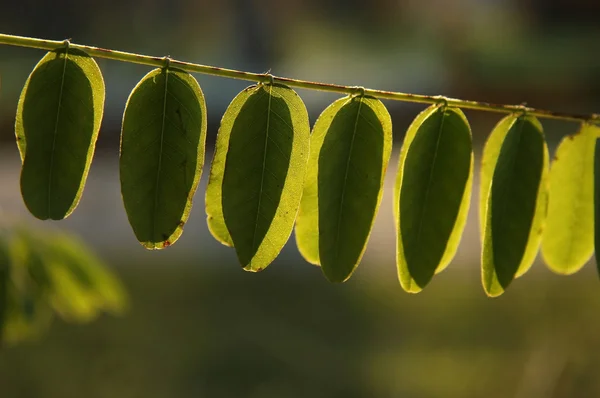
203	328
42	274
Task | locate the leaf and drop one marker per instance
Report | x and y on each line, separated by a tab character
307	222
350	149
213	199
513	200
162	154
58	119
258	180
568	239
432	194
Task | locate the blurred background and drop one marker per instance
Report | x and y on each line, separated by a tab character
201	327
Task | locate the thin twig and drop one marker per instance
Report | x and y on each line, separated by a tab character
122	56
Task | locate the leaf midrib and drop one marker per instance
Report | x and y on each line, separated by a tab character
428	189
341	210
506	192
262	176
160	153
489	277
51	166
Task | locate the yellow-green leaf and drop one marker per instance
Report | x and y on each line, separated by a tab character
57	124
162	154
432	194
568	239
513	200
350	148
307	222
258	172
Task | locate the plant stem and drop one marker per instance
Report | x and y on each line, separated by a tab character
21	41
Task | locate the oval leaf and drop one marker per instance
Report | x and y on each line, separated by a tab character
568	239
432	194
350	149
513	200
258	172
58	119
162	154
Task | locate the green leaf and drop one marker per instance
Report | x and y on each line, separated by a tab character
513	200
350	149
258	172
214	199
432	194
58	119
568	239
162	153
307	222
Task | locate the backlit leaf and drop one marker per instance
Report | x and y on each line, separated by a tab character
58	119
513	200
568	239
258	172
307	222
162	153
350	149
213	200
432	194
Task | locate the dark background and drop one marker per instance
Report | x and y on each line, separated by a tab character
201	327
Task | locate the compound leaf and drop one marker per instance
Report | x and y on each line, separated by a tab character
513	200
432	194
258	172
350	149
162	154
57	124
568	239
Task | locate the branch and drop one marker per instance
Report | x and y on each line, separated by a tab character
21	41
